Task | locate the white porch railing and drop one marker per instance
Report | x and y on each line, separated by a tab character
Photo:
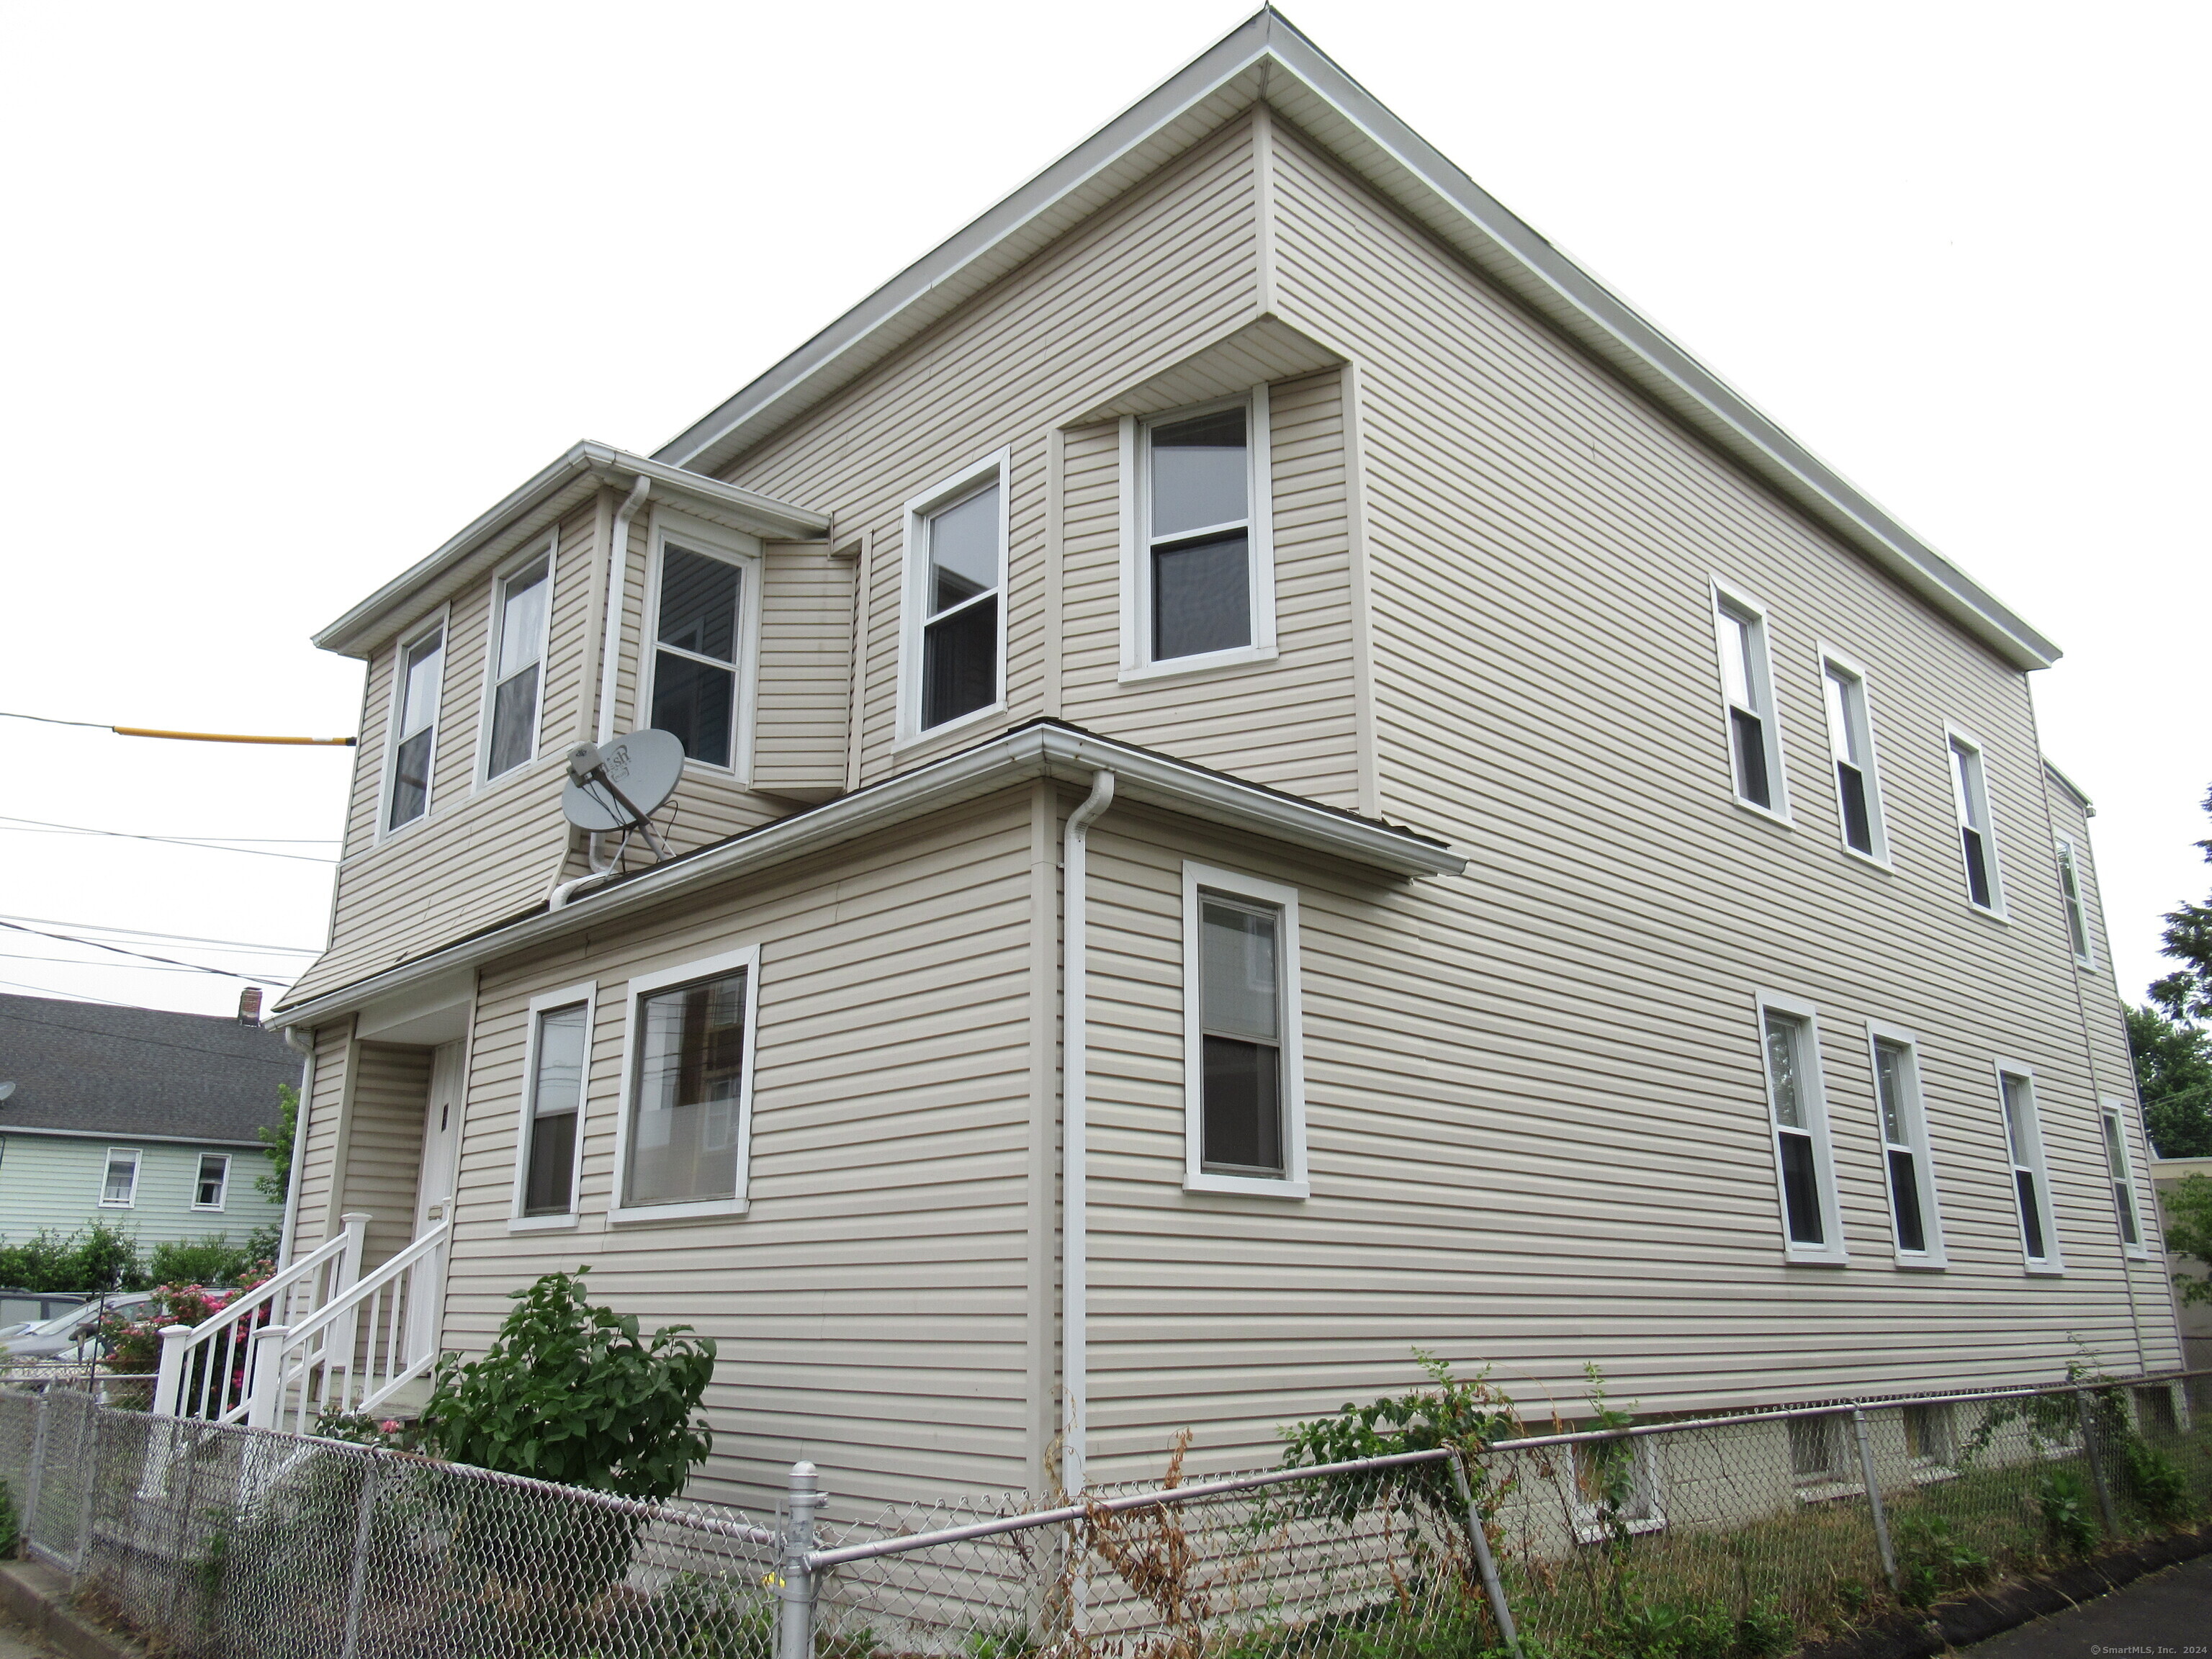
204	1368
356	1351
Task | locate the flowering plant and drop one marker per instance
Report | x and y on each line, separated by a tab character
133	1344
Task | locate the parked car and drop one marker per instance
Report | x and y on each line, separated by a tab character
62	1336
20	1309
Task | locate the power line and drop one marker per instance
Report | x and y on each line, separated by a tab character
66	939
73	996
39	827
262	841
182	939
154	1043
122	967
182	737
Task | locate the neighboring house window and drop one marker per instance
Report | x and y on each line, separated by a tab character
1201	585
1799	1122
2070	894
1970	797
1747	694
689	1086
699	636
1898	1102
213	1187
420	672
1243	1091
119	1187
521	604
2124	1209
1850	747
956	557
2031	1181
553	1104
1616	1489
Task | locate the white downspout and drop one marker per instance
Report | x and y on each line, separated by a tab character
303	1043
1075	1239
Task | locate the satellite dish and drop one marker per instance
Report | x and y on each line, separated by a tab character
6	1089
619	784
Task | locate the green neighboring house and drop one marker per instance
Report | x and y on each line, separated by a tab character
138	1117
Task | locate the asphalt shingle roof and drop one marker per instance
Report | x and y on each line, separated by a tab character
138	1071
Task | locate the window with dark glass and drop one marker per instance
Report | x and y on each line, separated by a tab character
556	1100
690	1084
1851	751
2024	1145
1970	797
1897	1092
1748	692
1240	1025
416	728
213	1185
960	606
2124	1191
695	674
1199	534
518	669
1789	1091
2069	896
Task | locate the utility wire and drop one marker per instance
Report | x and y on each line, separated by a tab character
183	737
262	841
72	996
38	827
66	939
115	967
290	1065
184	938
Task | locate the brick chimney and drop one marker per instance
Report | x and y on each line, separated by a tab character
249	1005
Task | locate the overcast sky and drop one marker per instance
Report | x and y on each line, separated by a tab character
292	293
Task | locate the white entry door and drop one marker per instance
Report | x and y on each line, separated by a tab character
441	1139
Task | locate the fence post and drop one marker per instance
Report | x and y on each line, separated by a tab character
1873	1502
1478	1536
357	1587
795	1633
2092	1444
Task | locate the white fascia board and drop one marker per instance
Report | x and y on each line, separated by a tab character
1265	57
528	510
130	1138
2088	806
1051	752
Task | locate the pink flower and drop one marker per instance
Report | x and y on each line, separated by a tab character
390	1425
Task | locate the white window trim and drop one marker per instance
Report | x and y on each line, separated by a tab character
1877	820
634	995
2068	851
2054	1261
1588	1514
2115	1109
137	1168
1958	737
441	619
1835	1252
1916	1115
568	997
550	553
998	463
1727	594
735	547
222	1192
1235	883
1137	662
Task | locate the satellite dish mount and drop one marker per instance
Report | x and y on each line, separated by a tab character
617	787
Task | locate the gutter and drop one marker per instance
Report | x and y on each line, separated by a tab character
1075	1094
1042	749
131	1136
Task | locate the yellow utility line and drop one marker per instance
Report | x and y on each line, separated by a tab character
221	736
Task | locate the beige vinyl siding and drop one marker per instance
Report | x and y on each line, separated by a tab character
805	684
1142	283
872	1306
383	1143
325	1109
1288	723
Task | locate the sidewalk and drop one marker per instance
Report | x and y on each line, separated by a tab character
2168	1613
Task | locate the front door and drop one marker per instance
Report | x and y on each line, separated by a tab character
441	1139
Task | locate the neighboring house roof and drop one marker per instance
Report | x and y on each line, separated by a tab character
1266	58
80	1067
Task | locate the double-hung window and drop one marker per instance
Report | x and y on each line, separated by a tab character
688	1089
1797	1110
2070	899
1978	843
557	1064
2031	1181
118	1183
1244	1093
517	665
2126	1215
1199	585
1914	1227
1747	700
700	633
212	1186
420	674
1850	749
956	580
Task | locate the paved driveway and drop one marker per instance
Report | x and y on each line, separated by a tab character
2169	1613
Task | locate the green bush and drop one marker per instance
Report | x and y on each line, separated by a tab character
1931	1558
2064	1507
213	1260
97	1258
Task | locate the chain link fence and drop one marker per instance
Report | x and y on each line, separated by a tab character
1721	1538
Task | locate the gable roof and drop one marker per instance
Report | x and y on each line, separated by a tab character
81	1067
1266	58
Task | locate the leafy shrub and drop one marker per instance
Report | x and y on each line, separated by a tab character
11	1528
1702	1630
2153	1482
97	1258
2063	1505
210	1261
1931	1559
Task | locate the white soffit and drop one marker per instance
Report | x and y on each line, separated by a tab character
1264	348
1266	56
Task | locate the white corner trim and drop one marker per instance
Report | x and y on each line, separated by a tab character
747	957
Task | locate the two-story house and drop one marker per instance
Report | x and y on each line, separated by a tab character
1273	776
